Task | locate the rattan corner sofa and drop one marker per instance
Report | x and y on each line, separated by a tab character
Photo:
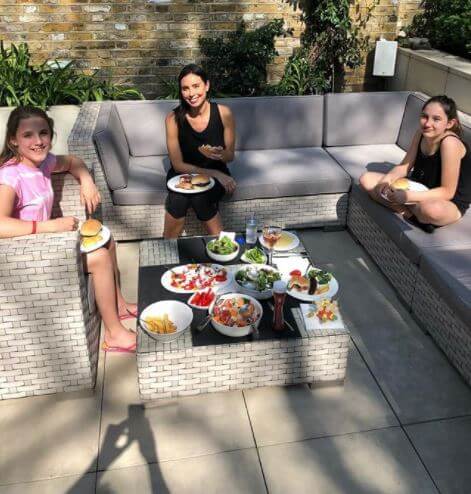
49	324
298	160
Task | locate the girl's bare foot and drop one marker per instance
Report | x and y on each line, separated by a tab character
120	337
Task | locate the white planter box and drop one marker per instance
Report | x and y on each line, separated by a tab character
433	72
64	118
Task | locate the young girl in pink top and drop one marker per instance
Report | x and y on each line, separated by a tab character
26	199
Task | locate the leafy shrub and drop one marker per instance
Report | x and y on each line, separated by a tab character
446	23
47	84
237	64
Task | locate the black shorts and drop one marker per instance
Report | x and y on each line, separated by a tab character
205	204
461	205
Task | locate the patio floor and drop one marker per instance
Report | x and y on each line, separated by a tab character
401	424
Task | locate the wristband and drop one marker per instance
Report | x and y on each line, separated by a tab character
35	224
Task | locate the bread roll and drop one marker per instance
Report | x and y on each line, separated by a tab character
90	228
200	180
401	184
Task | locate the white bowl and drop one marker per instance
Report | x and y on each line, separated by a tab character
265	294
222	257
236	331
178	312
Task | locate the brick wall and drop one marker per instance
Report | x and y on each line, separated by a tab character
142	41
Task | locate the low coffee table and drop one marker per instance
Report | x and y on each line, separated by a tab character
206	362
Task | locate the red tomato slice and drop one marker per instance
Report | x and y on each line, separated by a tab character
295	272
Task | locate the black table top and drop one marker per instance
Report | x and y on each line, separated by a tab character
194	250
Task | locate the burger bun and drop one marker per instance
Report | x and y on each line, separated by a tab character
401	184
90	228
200	180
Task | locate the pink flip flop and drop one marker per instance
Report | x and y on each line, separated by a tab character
130	315
118	349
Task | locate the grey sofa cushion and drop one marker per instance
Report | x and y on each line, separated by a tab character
112	147
144	125
287	172
147	182
352	119
356	160
415	242
410	121
449	273
277	122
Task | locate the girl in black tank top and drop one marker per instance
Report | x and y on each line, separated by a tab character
198	148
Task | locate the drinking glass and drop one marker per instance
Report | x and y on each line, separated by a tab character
271	235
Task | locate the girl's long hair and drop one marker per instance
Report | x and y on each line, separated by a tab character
449	107
16	116
184	108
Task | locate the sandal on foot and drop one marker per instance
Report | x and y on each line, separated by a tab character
118	349
128	315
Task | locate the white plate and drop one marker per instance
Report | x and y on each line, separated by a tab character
243	258
105	234
294	242
175	180
236	332
305	297
413	187
166	280
178	312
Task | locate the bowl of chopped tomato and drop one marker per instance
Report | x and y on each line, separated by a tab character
235	314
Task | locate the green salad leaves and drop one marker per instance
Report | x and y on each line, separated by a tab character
223	246
255	256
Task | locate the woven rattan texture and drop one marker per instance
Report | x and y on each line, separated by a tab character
147	221
392	262
449	331
48	333
179	369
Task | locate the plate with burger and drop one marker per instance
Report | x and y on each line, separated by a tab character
93	235
407	185
316	284
191	183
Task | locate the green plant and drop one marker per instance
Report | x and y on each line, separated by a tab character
446	23
171	89
237	63
47	84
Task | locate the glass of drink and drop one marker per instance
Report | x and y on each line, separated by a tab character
251	230
271	235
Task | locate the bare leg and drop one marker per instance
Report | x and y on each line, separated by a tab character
214	225
369	181
438	212
173	227
124	307
100	265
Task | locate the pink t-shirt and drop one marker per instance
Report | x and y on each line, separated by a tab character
34	194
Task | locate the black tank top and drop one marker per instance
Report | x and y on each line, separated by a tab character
190	139
428	171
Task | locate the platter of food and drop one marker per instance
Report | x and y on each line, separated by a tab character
166	320
190	183
235	315
317	284
287	241
254	256
222	249
190	278
93	236
257	280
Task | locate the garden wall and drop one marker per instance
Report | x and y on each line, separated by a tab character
143	40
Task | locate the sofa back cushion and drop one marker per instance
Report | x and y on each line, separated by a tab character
144	125
112	146
277	122
353	119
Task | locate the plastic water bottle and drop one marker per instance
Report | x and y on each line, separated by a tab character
251	230
279	295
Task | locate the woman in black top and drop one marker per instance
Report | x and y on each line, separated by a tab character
190	128
437	158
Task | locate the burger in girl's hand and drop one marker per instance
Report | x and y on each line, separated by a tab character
401	184
90	231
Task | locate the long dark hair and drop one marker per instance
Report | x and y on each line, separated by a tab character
184	108
449	107
16	116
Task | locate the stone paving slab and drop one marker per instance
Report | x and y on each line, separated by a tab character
373	462
76	484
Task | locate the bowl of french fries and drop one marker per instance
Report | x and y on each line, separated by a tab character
166	320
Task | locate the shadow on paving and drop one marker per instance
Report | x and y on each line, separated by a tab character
117	438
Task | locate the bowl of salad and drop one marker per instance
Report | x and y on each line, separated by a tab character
222	249
257	280
235	314
254	256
